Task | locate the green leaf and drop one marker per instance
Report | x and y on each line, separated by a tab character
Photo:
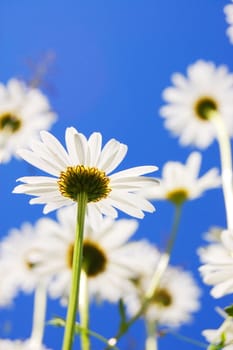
60	322
57	322
229	310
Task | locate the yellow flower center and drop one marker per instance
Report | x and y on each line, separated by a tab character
83	179
178	196
205	107
162	298
9	122
94	258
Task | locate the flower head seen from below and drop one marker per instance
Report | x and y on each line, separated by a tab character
194	100
108	258
24	111
228	10
217	268
172	304
85	168
180	182
222	337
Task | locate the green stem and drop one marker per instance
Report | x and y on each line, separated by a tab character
84	310
188	340
76	272
40	301
151	340
226	165
165	257
161	267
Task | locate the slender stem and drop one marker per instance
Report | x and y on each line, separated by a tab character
151	340
40	301
226	165
188	340
161	267
76	271
84	311
165	257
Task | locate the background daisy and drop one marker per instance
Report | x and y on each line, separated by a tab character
24	111
108	258
172	304
228	10
218	261
207	88
181	182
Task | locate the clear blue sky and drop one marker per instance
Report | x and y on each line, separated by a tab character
113	59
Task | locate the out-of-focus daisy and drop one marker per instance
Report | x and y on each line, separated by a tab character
85	167
193	100
228	10
7	344
109	261
213	234
218	265
221	337
180	182
24	111
19	254
172	304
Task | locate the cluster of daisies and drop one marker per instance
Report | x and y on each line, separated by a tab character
41	255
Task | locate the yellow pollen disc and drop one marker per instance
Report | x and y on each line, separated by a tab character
162	298
83	179
205	107
9	122
94	258
178	196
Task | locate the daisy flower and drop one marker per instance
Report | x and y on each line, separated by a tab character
108	259
180	182
222	337
171	304
192	101
7	344
85	168
19	254
24	111
218	265
228	10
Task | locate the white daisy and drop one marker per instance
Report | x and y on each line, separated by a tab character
207	89
218	265
108	259
19	254
213	234
7	344
180	182
84	167
228	10
24	111
223	336
171	304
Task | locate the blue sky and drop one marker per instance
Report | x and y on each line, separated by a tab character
112	60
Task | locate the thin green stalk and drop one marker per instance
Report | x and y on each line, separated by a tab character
76	272
165	257
84	311
226	165
161	267
151	339
38	323
188	340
